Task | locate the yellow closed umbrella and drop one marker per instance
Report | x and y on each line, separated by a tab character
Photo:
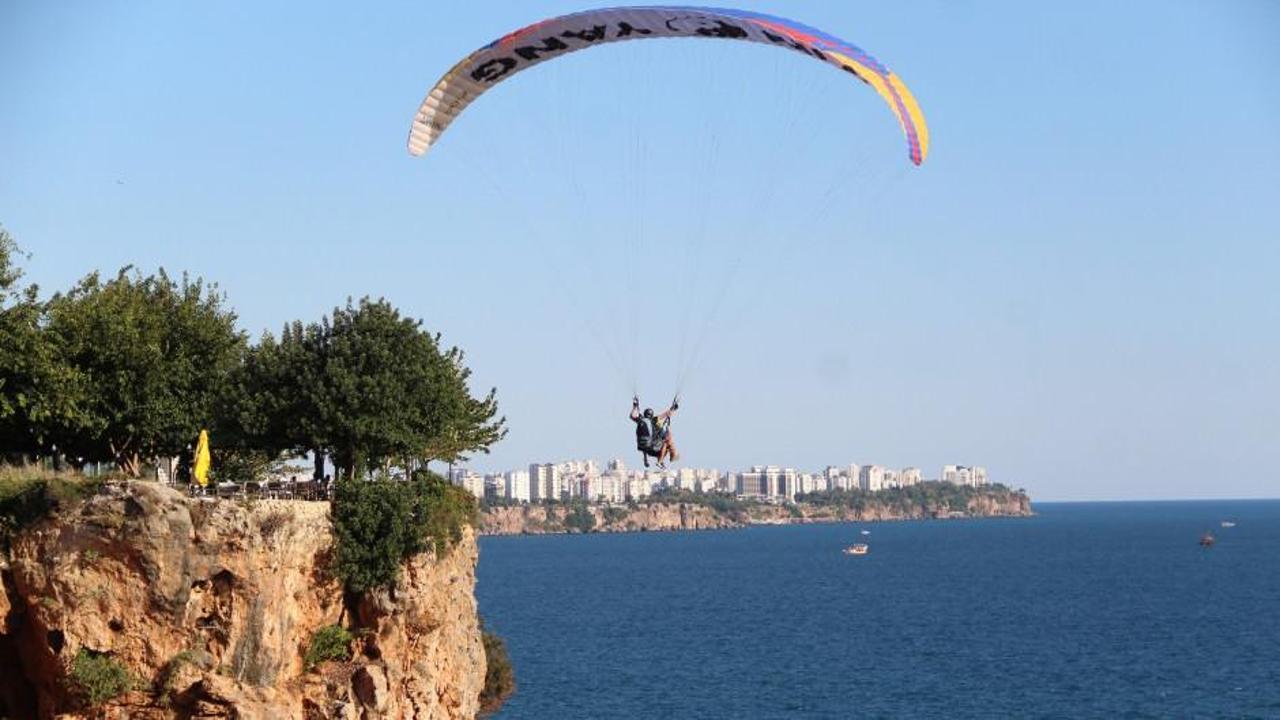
201	469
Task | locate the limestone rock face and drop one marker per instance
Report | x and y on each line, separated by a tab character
211	605
539	519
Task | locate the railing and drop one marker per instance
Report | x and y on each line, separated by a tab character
270	490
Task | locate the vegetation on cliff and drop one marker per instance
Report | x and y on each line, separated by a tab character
29	494
331	642
98	677
499	676
925	498
579	517
728	505
378	525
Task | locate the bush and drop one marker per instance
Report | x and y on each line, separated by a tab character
499	676
379	525
331	642
615	514
444	510
98	677
29	494
729	505
580	518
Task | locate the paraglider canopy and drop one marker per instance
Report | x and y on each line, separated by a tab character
552	38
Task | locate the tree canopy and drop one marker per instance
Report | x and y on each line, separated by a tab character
39	391
365	385
153	353
131	368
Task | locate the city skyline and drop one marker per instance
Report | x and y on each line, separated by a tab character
615	482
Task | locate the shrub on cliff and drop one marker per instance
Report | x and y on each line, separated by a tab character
98	677
378	525
499	676
28	494
614	514
580	518
331	642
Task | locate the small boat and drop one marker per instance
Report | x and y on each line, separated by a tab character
1206	540
1228	524
856	549
866	532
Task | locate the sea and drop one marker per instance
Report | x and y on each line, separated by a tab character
1087	610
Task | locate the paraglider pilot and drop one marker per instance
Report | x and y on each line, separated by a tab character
653	433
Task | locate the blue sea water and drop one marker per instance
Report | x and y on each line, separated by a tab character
1107	610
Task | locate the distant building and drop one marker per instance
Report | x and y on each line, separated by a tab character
517	482
910	476
964	475
472	482
637	486
544	482
768	481
812	482
871	478
495	487
612	487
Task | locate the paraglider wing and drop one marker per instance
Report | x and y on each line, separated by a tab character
558	36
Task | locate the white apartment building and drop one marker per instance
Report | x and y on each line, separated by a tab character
472	482
769	481
637	487
544	482
871	478
964	475
910	476
612	486
517	482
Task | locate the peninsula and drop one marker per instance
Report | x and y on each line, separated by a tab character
673	509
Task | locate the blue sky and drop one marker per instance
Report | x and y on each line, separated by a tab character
1078	289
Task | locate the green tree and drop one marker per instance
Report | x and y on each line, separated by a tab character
39	391
152	353
367	387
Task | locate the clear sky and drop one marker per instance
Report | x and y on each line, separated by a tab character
1077	290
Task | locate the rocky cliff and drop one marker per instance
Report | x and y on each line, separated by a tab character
978	506
211	606
541	519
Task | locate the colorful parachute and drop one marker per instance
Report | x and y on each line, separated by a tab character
552	38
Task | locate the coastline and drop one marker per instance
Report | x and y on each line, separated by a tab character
689	511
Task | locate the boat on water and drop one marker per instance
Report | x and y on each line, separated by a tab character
1228	524
857	549
1206	540
866	532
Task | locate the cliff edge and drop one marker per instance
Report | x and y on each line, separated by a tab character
210	607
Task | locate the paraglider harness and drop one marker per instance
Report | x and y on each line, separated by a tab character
650	435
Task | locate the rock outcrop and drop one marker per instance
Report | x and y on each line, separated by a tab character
211	605
657	517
